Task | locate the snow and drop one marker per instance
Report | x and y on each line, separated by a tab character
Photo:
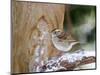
40	55
89	53
54	63
72	57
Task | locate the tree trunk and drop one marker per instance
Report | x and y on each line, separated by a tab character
27	17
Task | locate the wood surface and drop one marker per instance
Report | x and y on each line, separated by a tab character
25	18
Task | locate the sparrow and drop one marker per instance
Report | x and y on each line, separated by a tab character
64	41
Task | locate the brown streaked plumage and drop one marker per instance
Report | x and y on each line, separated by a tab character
64	41
66	36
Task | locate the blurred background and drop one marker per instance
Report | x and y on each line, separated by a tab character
81	19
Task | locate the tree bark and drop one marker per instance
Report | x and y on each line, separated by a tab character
68	19
25	19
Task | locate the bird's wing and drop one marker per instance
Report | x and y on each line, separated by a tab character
66	37
63	36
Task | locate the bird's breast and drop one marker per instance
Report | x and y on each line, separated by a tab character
62	46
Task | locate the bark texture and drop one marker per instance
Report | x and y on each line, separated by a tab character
25	19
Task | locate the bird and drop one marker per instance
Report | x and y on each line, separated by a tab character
64	41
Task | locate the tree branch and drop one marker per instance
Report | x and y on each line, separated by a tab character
71	66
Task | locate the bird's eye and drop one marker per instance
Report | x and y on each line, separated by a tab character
55	32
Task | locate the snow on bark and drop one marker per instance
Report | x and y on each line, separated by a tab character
40	55
69	61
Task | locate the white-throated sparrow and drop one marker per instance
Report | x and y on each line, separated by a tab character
64	41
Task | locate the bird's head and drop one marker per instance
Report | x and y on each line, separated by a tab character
56	32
